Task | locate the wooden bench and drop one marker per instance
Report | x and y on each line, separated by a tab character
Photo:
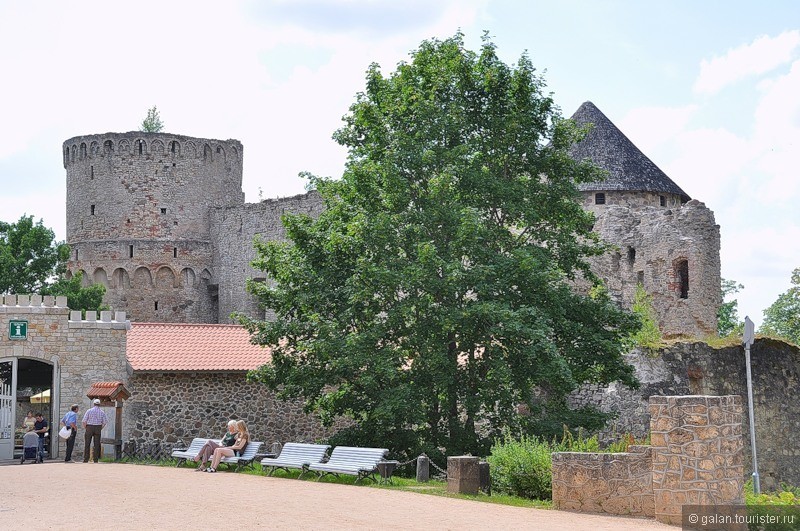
247	458
353	461
191	452
296	455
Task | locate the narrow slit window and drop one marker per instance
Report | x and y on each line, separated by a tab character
163	210
174	252
130	251
91	170
600	198
156	306
91	208
631	255
682	276
76	254
172	147
140	147
662	200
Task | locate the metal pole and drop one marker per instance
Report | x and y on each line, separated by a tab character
749	336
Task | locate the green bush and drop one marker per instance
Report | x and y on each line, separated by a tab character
784	503
522	467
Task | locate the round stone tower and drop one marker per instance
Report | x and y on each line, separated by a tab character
138	219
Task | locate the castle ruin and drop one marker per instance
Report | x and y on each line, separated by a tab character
160	220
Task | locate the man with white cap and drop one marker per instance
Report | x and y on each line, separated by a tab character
93	421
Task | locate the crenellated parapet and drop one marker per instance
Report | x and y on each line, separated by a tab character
108	319
80	149
25	302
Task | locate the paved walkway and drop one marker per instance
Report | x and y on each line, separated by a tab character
124	496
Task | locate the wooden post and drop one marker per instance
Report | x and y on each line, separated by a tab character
118	431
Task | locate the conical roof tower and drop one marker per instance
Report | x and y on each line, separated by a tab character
628	168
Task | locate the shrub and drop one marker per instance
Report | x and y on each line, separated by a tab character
784	503
649	336
522	467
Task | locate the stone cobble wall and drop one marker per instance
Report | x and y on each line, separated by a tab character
233	231
176	407
697	453
697	368
81	351
618	483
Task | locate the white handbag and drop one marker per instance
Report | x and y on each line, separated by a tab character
64	432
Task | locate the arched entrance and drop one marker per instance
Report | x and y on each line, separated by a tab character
26	385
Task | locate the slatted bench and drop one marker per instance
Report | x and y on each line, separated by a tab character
353	461
296	455
247	458
190	452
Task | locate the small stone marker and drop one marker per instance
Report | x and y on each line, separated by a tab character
463	476
423	468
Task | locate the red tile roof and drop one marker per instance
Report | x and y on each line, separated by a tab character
193	347
108	391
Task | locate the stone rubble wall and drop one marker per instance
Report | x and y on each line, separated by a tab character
699	369
173	408
618	483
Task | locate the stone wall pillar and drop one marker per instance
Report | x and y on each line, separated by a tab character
697	450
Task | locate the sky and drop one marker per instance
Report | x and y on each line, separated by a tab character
710	91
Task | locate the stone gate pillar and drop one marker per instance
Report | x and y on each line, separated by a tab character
697	450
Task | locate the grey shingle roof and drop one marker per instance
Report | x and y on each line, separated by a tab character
628	168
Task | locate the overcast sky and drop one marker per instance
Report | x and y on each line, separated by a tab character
709	90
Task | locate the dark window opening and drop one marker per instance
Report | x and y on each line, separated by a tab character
175	223
600	198
140	147
682	274
219	149
156	306
662	200
76	254
91	174
173	164
92	210
130	251
174	252
163	210
631	255
108	146
172	147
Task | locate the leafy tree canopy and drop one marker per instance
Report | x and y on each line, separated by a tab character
431	300
79	297
30	259
782	318
728	322
152	122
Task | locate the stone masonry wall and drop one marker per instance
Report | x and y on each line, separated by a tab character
81	351
176	407
233	231
695	459
650	244
618	483
697	368
697	453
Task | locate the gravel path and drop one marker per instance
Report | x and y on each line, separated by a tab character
139	497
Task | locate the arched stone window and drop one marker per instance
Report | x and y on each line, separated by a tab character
600	198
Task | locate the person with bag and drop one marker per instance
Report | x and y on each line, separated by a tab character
70	422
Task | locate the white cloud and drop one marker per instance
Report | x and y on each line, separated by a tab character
650	128
762	55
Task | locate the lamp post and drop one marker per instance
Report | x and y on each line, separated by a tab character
749	337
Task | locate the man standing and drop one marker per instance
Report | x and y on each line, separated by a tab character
70	420
93	421
40	427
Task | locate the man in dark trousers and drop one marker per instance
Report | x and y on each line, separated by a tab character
40	427
93	421
70	420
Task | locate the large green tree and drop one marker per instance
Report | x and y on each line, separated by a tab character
782	318
433	296
30	258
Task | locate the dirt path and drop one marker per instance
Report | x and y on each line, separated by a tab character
147	497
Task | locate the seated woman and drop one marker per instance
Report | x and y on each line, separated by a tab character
207	450
242	438
29	421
